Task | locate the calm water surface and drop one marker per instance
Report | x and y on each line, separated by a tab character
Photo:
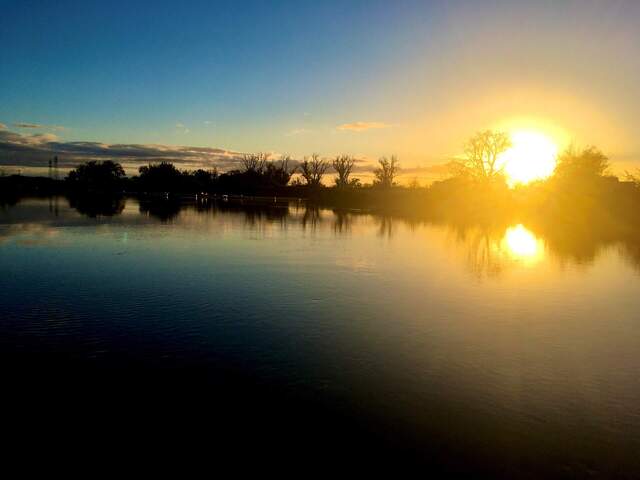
493	350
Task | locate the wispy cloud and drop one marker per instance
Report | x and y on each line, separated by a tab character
3	126
27	125
297	131
40	138
441	169
182	127
37	126
361	126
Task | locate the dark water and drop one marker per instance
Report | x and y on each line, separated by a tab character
301	336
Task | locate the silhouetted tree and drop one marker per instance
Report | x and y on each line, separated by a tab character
482	152
313	169
278	173
255	162
575	165
160	177
96	176
258	175
386	173
343	165
633	178
203	180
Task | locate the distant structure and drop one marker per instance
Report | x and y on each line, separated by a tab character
55	167
50	175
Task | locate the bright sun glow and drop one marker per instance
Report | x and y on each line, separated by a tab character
532	156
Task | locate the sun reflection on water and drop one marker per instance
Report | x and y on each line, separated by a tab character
523	245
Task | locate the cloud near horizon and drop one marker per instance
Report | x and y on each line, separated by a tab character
34	151
31	153
361	126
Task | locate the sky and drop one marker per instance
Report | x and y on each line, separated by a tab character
203	82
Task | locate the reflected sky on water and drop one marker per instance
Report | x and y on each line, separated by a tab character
500	335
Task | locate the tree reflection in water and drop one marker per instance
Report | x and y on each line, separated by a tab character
311	217
341	222
163	210
489	248
94	206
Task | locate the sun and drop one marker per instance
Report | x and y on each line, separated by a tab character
532	156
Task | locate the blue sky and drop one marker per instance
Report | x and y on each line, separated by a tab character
412	78
123	70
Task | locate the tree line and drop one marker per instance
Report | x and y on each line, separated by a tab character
475	188
256	174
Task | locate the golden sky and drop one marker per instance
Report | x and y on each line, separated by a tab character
414	79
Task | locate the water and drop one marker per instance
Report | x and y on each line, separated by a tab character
495	350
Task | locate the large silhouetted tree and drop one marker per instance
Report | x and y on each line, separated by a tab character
313	169
160	177
96	176
255	162
278	173
343	165
482	152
